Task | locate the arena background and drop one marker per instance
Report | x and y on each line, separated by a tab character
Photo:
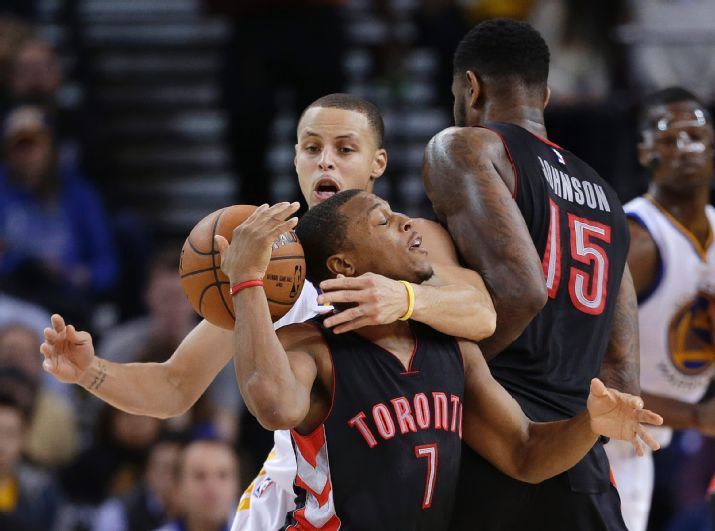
161	111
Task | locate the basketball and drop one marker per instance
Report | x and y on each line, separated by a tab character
207	288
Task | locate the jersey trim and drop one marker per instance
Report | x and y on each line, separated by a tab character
660	274
406	371
546	140
697	246
511	159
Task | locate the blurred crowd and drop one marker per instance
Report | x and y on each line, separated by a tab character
69	462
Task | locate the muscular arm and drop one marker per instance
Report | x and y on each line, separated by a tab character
467	176
275	382
621	363
454	301
153	389
495	425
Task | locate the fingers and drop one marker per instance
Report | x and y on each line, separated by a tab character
58	323
221	244
646	416
344	316
342	282
284	227
598	388
637	446
647	438
345	296
354	325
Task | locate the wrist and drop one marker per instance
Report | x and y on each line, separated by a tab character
94	375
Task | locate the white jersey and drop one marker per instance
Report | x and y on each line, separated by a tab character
676	333
270	496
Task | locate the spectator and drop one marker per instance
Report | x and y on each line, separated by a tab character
36	74
51	431
208	488
13	32
155	337
55	244
28	497
146	506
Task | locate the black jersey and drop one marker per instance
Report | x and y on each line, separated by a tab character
387	456
580	231
581	234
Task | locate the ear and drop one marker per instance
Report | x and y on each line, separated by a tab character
379	163
547	97
341	264
474	88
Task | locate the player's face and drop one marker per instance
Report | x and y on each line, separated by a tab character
384	242
678	148
336	151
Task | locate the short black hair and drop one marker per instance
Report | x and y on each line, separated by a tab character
666	96
348	102
502	50
322	232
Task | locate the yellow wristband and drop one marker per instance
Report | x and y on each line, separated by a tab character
410	300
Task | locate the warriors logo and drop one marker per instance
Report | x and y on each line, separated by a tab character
690	336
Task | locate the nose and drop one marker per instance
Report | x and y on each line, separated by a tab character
326	161
686	144
405	223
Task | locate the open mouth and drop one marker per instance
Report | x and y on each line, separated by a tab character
325	188
415	242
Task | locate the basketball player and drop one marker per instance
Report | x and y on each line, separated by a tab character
673	266
550	239
339	147
376	414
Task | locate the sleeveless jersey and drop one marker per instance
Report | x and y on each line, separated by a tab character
580	231
387	456
677	354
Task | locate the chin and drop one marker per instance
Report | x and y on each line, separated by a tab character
424	274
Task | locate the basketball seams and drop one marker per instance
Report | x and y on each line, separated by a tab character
214	253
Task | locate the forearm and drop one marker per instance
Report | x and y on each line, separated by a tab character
554	447
455	310
676	414
137	388
621	364
268	384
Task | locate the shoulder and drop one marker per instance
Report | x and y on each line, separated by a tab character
476	141
643	257
305	337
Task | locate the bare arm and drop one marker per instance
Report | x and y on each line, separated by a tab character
496	427
621	363
454	301
154	389
467	176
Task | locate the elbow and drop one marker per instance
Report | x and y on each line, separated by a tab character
272	407
532	299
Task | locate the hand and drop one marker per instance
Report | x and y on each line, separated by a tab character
705	417
68	353
379	300
248	254
620	415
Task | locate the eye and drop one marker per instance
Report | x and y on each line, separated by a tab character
346	150
386	222
311	148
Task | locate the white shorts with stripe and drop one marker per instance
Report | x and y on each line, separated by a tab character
270	496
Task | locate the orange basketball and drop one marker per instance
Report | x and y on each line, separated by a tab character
207	287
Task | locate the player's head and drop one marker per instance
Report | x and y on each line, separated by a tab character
339	147
355	232
676	139
498	60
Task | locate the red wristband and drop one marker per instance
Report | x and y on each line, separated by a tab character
243	285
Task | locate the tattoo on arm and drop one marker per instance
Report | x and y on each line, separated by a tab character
621	366
99	376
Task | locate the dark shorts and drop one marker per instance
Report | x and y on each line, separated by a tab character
581	499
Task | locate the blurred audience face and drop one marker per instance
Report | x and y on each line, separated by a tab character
11	437
135	432
20	348
162	469
29	146
170	311
336	150
208	484
678	147
36	72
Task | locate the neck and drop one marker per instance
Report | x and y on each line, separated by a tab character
395	337
688	207
518	111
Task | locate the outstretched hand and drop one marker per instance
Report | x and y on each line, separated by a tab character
621	416
68	353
